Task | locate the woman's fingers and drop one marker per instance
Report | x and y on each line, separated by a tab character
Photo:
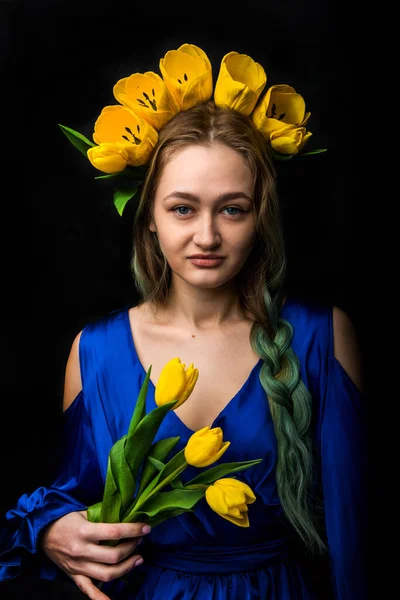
115	531
104	572
110	555
86	585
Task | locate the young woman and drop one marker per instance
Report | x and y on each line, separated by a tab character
281	377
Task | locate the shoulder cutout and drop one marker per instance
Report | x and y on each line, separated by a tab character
72	381
346	347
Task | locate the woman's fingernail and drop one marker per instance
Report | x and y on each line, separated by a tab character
146	529
139	562
139	541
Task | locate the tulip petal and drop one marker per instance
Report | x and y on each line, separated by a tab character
117	124
215	499
187	73
287	107
191	379
234	497
240	522
289	140
240	485
171	383
206	462
205	447
228	500
281	107
108	158
240	82
148	96
235	512
194	50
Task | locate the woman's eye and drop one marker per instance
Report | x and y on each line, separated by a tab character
182	210
234	211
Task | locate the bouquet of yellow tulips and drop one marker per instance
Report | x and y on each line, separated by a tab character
142	485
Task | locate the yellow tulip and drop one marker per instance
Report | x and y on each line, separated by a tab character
229	498
148	96
289	140
175	383
120	125
205	447
108	158
281	106
187	73
240	82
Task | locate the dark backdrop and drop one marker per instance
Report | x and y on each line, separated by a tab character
70	256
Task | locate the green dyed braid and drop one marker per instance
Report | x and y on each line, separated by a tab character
290	405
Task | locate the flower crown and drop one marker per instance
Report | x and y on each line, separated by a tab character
126	133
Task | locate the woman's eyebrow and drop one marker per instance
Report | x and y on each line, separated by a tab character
221	198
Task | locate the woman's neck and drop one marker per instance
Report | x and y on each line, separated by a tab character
202	308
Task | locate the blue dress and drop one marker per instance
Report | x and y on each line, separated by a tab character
202	556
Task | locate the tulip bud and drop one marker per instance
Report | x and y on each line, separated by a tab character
240	82
187	73
108	158
175	383
205	447
289	140
281	108
229	498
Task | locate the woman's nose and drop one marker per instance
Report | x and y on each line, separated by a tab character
207	234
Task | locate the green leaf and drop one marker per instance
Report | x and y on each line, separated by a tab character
174	483
110	176
279	156
168	514
176	462
93	512
161	516
120	483
141	439
162	479
121	197
175	499
316	151
140	406
77	139
210	475
111	504
156	463
159	450
174	467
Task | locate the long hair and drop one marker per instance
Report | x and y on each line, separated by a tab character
260	289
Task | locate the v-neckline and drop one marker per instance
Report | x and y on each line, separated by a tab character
153	388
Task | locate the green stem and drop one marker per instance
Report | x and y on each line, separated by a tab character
141	501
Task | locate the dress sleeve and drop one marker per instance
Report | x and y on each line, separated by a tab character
76	485
343	447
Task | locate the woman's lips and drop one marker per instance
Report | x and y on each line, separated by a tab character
206	262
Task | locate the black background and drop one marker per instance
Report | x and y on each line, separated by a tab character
69	256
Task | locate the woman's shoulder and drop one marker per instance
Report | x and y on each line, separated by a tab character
326	332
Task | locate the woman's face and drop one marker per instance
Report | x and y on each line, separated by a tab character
203	214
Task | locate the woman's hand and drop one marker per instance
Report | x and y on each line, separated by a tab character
73	544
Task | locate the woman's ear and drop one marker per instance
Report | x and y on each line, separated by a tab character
152	226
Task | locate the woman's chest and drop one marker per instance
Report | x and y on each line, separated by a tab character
224	361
